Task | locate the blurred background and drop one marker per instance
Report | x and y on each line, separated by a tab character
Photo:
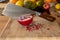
2	5
53	13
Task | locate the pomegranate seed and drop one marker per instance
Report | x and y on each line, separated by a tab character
28	28
25	17
36	27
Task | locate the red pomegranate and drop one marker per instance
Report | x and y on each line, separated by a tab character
46	6
25	19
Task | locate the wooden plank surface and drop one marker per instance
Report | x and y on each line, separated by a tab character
3	23
15	30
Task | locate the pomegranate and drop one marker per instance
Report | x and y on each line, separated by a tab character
25	19
46	6
28	28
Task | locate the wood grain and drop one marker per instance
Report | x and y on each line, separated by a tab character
15	30
3	23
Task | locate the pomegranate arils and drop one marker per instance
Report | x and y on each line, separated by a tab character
25	17
37	27
20	18
28	28
28	17
34	26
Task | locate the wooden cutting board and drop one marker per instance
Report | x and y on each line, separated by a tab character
3	23
16	30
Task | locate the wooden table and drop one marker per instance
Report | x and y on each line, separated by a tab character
16	30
